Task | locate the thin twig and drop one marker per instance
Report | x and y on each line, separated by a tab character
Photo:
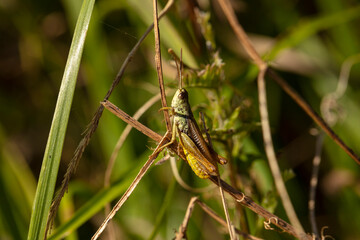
93	126
269	148
240	33
131	188
244	40
129	120
230	226
181	234
117	148
344	75
315	117
328	103
158	63
141	128
246	201
237	195
72	167
314	183
223	200
220	220
124	135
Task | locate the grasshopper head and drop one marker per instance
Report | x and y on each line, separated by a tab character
180	102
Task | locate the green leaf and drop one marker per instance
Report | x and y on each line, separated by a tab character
51	160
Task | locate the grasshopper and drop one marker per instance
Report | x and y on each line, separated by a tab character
199	153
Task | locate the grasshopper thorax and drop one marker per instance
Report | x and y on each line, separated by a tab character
180	103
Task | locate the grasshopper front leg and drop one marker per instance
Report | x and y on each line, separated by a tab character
172	140
173	131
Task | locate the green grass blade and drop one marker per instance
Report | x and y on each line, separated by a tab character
17	191
164	207
51	160
312	26
93	206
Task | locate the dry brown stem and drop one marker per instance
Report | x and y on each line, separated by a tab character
314	183
181	233
249	203
158	64
131	188
226	210
269	148
245	42
124	135
311	113
327	106
220	220
116	150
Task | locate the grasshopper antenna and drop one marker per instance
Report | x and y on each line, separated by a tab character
181	69
179	65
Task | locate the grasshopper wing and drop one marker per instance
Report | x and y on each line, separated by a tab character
203	146
197	137
198	162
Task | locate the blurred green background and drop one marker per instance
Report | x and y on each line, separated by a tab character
306	41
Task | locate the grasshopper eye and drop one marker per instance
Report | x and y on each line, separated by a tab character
183	94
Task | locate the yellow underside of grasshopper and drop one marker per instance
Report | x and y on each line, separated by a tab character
198	163
195	165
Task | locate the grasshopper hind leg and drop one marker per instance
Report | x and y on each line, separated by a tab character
220	159
198	169
199	164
